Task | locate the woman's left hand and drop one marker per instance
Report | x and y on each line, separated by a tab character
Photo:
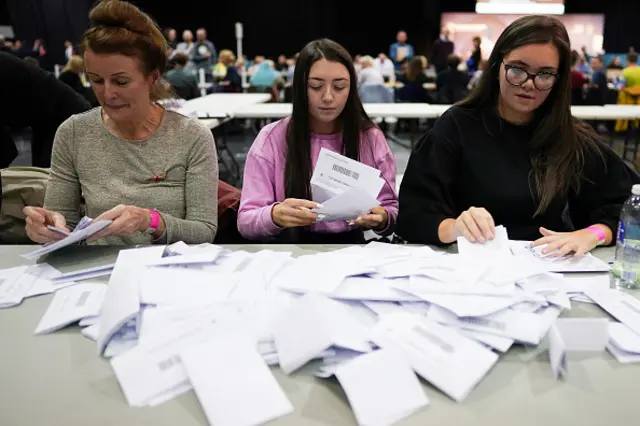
562	243
126	220
377	218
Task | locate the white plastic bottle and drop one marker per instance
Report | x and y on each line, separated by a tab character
627	261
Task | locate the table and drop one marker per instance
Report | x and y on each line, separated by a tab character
58	379
398	110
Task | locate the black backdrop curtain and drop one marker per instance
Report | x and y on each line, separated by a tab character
272	28
54	21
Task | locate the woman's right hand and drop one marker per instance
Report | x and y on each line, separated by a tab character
476	225
37	220
293	212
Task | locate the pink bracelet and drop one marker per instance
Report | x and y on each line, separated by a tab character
599	233
155	219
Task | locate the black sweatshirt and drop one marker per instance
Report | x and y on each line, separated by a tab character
472	158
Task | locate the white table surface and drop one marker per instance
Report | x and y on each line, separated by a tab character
421	110
398	110
227	103
59	380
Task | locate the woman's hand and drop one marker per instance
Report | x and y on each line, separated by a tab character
476	225
376	219
294	212
126	220
38	219
562	243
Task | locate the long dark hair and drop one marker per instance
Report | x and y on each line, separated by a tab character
559	142
353	118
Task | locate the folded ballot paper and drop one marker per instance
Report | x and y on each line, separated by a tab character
86	228
346	188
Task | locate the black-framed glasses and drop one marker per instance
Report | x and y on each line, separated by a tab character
516	76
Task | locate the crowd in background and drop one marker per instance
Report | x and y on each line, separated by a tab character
399	75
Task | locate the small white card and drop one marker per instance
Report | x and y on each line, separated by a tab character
381	387
575	334
71	304
233	384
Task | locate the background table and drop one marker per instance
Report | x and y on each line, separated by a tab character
58	379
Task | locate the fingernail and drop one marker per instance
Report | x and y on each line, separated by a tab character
319	206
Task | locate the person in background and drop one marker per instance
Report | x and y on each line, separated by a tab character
578	80
616	64
257	62
369	74
151	171
384	65
441	49
327	113
73	76
232	81
171	36
68	50
413	81
511	154
631	73
598	88
186	46
476	55
400	51
183	81
203	54
32	61
451	83
33	98
357	63
18	49
281	65
484	64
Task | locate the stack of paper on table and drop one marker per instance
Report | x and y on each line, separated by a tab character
346	188
21	282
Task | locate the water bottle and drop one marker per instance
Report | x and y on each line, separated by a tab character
626	267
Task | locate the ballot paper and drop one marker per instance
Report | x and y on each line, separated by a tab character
520	326
450	361
83	274
381	387
312	324
77	235
622	306
21	282
121	304
575	334
12	290
493	250
533	255
335	174
232	382
71	304
624	338
345	187
183	287
372	289
153	368
310	274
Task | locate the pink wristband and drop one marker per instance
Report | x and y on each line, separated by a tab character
599	233
155	219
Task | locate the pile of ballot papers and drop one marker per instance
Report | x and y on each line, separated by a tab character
376	317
